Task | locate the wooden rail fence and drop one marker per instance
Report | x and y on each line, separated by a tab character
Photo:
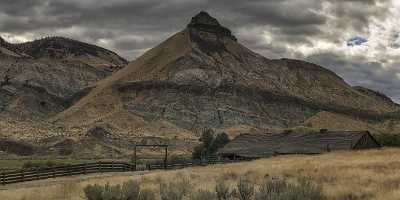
68	170
88	168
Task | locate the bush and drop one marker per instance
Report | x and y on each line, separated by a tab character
206	140
222	190
175	190
203	195
112	192
147	194
220	141
389	140
210	144
39	164
93	192
128	191
282	190
245	188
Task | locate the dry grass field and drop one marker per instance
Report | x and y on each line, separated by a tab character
369	174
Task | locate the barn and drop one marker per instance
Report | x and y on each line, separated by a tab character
251	146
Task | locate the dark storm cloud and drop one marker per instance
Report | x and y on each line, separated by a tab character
360	73
270	27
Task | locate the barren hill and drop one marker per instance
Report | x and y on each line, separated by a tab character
202	77
39	78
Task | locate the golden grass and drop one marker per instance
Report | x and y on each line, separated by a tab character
370	174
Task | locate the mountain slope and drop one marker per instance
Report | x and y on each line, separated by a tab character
202	77
38	78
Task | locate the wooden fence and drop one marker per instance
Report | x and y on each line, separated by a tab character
87	168
68	170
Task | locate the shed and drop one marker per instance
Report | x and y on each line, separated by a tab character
250	146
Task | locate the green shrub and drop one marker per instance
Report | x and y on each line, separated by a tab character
40	164
147	194
203	195
220	141
389	140
112	192
282	190
175	190
128	191
245	188
169	192
93	192
210	144
222	190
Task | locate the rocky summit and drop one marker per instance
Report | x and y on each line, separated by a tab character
202	77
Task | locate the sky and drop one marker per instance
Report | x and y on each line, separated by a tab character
357	39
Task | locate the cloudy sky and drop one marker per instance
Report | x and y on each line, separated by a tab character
358	39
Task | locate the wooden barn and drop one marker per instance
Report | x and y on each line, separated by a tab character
250	146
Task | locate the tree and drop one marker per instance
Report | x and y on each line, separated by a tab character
210	144
220	141
207	138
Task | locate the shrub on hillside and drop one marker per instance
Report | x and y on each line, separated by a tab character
175	190
210	144
93	192
222	190
129	190
245	188
147	194
40	164
389	139
203	195
282	190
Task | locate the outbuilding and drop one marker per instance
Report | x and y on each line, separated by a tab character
250	146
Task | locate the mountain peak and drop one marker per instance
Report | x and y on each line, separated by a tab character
205	19
206	31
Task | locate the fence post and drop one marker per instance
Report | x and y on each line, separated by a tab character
166	157
54	172
22	175
84	168
134	156
3	178
100	169
37	173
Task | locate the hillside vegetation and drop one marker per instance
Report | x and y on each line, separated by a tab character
357	175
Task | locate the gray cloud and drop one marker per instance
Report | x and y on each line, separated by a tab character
272	28
360	73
